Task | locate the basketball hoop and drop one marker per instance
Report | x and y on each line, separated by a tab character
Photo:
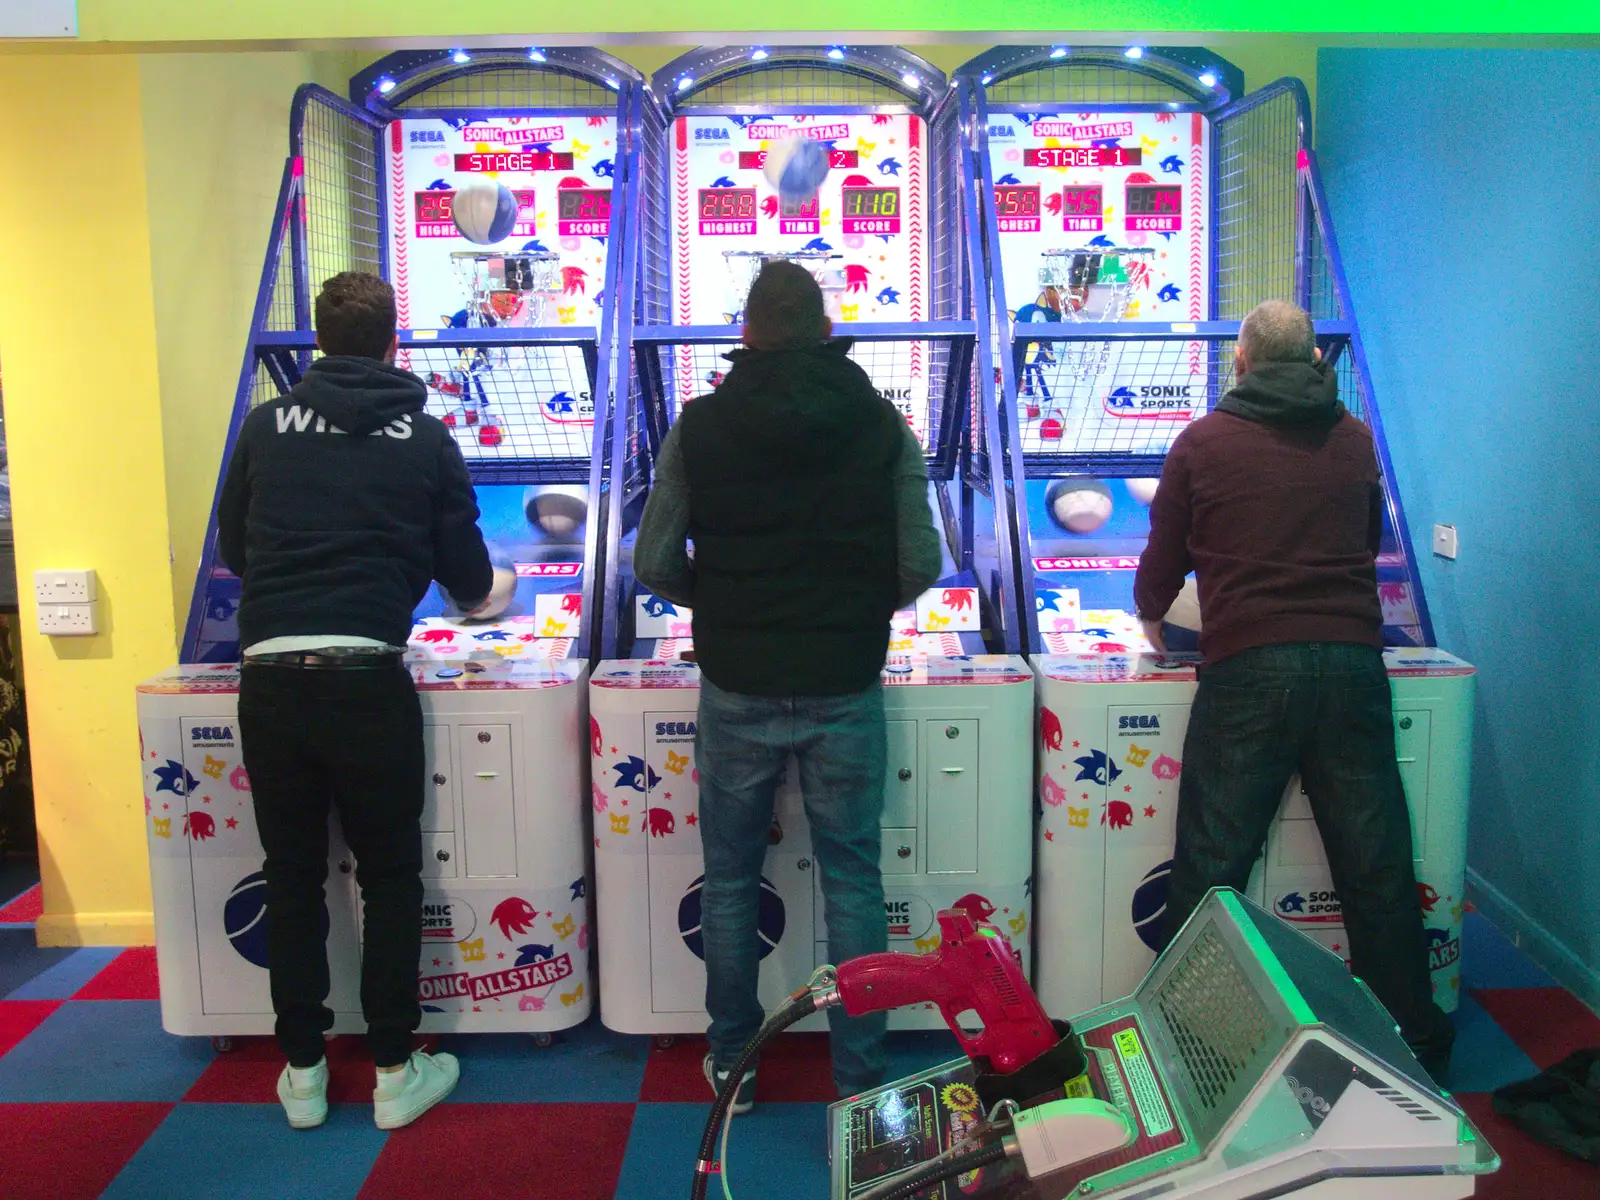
1095	286
744	265
507	288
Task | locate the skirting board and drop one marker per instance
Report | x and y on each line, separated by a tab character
1534	940
96	929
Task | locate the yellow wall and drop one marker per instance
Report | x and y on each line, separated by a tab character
83	422
216	132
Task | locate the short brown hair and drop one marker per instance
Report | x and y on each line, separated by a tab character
356	315
784	308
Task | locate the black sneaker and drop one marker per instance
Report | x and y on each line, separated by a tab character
744	1099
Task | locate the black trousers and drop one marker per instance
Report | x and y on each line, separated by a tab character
352	738
1324	710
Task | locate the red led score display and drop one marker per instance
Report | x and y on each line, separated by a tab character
1016	208
1155	207
435	217
754	160
1081	156
727	211
1082	209
583	212
504	160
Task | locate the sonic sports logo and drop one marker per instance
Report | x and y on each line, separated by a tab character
1310	908
1151	402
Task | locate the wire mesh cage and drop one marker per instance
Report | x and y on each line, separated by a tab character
799	86
511	87
1258	213
343	223
1104	82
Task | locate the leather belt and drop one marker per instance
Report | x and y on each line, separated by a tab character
330	659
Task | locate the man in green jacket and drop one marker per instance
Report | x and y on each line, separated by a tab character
806	497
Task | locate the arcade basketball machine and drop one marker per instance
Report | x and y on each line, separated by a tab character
886	240
515	341
1135	207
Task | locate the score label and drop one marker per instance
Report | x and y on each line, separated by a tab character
1154	208
583	212
727	211
872	210
434	217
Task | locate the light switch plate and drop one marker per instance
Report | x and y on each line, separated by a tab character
1444	541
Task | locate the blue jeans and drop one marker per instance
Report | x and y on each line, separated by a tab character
742	748
1324	710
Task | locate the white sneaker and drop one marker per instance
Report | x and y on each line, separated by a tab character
403	1096
744	1099
304	1095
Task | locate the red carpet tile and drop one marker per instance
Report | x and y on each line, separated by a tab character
248	1074
131	975
1528	1171
795	1069
1547	1024
492	1151
19	1018
24	909
70	1151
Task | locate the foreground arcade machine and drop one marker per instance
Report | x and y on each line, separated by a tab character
1135	208
1246	1063
514	340
886	241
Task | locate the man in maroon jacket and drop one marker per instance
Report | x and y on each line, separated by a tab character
1275	502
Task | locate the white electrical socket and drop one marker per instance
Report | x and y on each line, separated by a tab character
68	620
1444	541
63	587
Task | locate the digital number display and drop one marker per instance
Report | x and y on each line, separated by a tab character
435	208
806	209
1016	208
503	160
1082	156
583	204
1083	200
754	160
872	202
727	204
1154	200
1014	200
1155	207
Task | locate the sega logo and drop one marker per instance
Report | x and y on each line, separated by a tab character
426	135
711	135
674	728
1142	721
211	733
1002	131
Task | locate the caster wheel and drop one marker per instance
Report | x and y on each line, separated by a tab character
665	1041
543	1040
222	1045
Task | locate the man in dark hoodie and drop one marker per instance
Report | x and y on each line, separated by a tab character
806	496
342	502
1275	502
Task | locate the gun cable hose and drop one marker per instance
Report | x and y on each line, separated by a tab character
797	1008
915	1182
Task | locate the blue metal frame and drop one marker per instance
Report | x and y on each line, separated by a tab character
286	353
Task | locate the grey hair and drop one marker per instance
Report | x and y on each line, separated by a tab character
1277	331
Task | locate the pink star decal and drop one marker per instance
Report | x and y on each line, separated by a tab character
475	1008
691	819
502	954
436	962
548	915
613	749
1085	795
232	823
1150	810
163	808
624	804
205	799
1048	836
1077	745
1337	947
666	795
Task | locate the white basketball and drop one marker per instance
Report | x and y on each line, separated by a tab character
1080	503
796	167
1142	490
485	211
559	511
1185	610
501	592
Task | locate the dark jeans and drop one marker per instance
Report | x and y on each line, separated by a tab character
1324	710
351	737
742	749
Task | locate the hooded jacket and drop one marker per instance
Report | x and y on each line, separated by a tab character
342	502
1275	502
790	466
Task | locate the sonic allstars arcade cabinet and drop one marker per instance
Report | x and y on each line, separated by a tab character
885	239
514	341
1134	211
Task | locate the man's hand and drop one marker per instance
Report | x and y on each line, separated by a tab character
1152	633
